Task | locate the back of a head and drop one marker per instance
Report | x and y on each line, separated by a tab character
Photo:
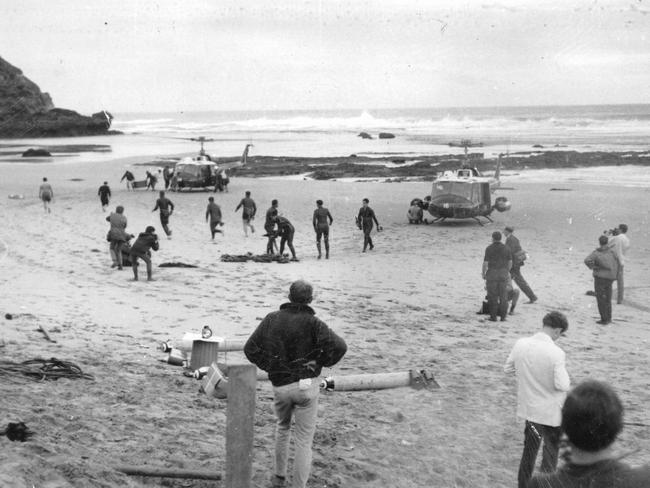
211	199
556	320
248	194
274	202
603	240
319	202
496	236
622	228
592	416
150	229
300	292
119	209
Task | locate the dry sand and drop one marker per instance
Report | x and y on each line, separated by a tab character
410	303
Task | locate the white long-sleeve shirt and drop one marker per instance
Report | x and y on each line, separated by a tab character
620	245
542	379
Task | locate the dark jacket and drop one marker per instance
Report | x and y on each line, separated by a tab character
144	242
289	338
603	262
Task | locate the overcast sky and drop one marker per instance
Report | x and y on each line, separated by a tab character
185	55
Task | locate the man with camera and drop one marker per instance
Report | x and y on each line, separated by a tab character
619	243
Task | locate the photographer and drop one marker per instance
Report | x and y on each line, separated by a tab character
619	243
141	248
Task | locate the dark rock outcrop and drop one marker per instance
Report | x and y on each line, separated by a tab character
25	111
386	135
364	135
37	153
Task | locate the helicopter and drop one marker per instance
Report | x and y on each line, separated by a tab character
201	171
466	194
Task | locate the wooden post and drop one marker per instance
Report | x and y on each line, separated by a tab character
240	416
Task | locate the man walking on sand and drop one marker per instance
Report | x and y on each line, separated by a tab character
293	345
248	212
117	234
604	264
213	212
269	226
104	193
141	249
542	383
322	220
364	221
46	194
592	418
518	257
166	208
496	273
620	244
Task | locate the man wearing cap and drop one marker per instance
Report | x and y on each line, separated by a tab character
542	383
322	220
496	269
293	345
518	256
620	245
141	248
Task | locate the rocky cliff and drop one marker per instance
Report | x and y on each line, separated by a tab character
25	111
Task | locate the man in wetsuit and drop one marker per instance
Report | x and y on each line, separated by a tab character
166	208
213	212
104	193
322	220
364	221
129	179
286	232
269	226
248	212
46	194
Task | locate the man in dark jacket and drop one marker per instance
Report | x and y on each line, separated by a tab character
364	221
512	243
166	208
604	264
496	269
286	231
141	248
104	193
293	345
213	212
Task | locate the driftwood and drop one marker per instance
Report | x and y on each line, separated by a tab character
45	333
169	473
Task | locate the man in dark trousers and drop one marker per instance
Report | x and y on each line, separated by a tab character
592	418
322	220
496	271
104	193
364	221
293	345
286	232
604	264
249	209
269	226
213	213
518	256
166	208
128	176
542	383
141	249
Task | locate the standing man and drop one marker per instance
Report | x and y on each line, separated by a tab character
167	176
104	193
592	418
364	221
166	208
604	264
322	220
248	212
620	244
518	257
46	194
293	345
128	176
117	234
496	273
542	383
213	212
286	232
141	248
269	226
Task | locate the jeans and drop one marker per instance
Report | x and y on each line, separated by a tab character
290	401
534	433
603	290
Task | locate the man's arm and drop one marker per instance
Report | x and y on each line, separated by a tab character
254	351
156	207
509	366
333	347
329	216
509	264
239	206
314	219
590	261
374	217
171	206
560	375
207	213
485	268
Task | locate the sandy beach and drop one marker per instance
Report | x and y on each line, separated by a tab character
409	304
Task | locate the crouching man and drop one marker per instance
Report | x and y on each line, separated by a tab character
293	345
141	249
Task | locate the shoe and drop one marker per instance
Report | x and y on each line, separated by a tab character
503	319
294	259
603	322
327	256
319	256
278	481
530	302
372	247
492	319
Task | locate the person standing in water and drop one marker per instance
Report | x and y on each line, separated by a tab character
322	220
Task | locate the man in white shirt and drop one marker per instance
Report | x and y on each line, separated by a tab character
620	243
542	383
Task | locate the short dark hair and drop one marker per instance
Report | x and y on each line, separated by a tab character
365	200
274	202
592	416
319	202
556	320
496	235
150	229
602	240
248	193
622	228
210	199
300	292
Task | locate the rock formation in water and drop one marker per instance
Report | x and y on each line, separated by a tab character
25	111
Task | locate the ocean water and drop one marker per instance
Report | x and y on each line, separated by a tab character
320	133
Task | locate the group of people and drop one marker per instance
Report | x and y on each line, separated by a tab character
590	417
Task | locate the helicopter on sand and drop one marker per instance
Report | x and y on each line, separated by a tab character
201	171
466	194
